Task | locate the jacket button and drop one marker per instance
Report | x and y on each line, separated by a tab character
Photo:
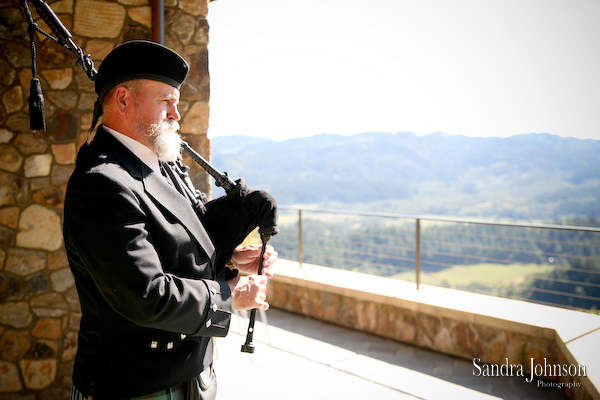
213	290
208	323
170	345
154	344
183	336
215	307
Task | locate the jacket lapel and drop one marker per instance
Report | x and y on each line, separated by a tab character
157	188
179	206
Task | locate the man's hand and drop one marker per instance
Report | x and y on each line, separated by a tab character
249	292
246	259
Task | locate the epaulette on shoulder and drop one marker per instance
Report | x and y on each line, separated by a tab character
100	162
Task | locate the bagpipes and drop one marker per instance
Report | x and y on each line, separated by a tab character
228	219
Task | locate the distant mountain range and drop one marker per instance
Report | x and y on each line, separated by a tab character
525	177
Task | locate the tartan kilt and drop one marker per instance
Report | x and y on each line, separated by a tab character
201	387
172	393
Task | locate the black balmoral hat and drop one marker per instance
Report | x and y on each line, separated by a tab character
138	59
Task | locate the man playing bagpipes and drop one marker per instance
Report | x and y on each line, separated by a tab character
156	283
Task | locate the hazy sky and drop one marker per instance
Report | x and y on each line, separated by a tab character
288	68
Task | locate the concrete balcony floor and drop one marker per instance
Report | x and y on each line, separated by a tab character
300	358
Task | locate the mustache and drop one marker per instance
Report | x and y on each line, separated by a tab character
161	127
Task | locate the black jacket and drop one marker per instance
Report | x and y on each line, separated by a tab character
145	272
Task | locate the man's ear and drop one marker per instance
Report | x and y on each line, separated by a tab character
124	99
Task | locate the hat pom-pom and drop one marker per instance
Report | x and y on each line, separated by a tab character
37	120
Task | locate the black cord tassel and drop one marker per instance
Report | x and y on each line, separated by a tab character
37	119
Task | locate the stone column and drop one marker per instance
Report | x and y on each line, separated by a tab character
186	32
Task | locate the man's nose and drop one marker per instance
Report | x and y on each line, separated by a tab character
174	113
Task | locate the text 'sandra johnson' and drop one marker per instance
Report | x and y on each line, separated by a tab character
543	371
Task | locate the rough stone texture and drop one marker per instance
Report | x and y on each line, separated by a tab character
13	190
47	196
11	288
39	228
30	143
15	315
194	7
38	165
10	159
49	305
49	328
62	280
196	121
9	377
143	15
64	153
5	135
14	345
57	260
7	73
61	173
36	284
64	126
58	78
63	99
12	99
39	305
98	19
38	374
23	262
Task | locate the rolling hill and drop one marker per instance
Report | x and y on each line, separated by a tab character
525	177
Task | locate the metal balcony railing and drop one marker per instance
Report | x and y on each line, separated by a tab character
556	265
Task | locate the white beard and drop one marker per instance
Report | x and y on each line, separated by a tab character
165	140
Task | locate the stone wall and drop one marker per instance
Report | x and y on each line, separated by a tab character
39	307
389	309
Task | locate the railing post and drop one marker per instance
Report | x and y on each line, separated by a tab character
300	238
418	251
